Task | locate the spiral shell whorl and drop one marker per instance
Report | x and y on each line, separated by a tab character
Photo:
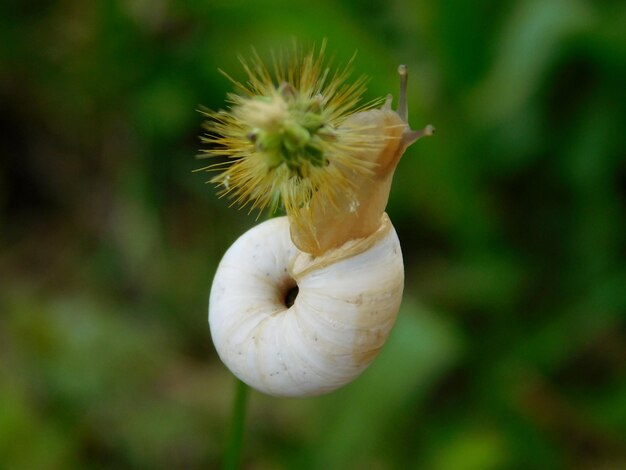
345	308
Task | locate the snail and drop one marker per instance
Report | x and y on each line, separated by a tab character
301	304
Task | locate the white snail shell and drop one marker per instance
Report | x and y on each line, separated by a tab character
347	303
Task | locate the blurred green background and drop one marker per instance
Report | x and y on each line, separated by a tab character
510	348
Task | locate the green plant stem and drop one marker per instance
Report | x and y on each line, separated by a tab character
233	455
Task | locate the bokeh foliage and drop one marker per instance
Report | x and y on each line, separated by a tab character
510	349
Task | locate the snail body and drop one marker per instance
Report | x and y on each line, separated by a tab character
301	305
359	213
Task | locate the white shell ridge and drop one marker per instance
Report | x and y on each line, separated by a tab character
342	315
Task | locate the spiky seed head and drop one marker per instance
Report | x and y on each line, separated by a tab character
281	140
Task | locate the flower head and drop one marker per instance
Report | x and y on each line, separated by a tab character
281	140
